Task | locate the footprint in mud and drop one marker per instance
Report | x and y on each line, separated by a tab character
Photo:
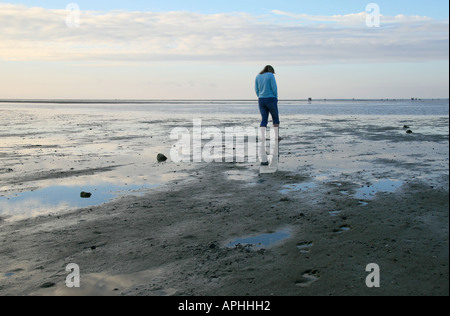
343	228
308	278
305	247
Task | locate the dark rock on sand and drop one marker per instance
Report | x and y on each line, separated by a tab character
161	158
85	195
47	285
409	131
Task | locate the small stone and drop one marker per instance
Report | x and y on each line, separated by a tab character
161	158
47	285
85	195
409	131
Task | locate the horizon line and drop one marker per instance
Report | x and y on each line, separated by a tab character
138	101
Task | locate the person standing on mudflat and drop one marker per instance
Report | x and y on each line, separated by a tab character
267	91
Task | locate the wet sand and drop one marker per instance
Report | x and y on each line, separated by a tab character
177	240
349	192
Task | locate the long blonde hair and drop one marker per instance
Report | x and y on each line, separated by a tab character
268	68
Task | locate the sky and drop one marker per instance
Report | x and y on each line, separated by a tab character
206	49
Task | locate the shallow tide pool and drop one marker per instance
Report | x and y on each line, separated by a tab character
59	198
261	241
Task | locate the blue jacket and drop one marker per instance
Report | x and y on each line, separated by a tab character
266	86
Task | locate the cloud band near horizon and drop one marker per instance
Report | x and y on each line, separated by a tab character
38	34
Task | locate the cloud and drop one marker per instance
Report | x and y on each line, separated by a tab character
32	33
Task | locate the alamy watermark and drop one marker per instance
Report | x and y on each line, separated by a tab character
73	279
211	144
373	279
373	18
73	17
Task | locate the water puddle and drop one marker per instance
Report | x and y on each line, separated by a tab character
369	192
296	187
101	284
59	198
261	241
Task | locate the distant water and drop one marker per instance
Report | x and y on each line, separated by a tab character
433	107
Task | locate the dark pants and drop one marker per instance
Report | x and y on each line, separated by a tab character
266	106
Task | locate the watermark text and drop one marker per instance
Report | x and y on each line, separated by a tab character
73	17
373	15
211	144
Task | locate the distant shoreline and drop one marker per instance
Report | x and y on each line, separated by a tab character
132	101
